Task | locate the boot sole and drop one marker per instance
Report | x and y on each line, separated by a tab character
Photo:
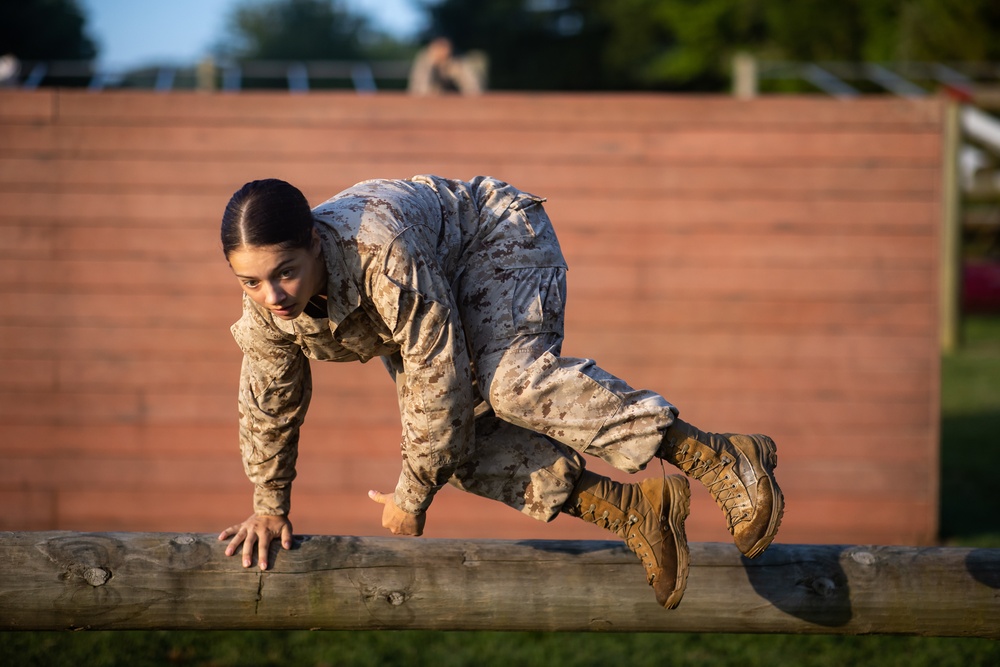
767	452
678	493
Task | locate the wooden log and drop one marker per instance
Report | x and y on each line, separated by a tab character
67	580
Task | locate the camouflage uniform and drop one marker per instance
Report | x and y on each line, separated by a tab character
460	288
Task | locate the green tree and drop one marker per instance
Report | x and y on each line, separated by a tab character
294	30
44	30
947	30
679	43
689	44
531	44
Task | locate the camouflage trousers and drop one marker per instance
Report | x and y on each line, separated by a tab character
539	411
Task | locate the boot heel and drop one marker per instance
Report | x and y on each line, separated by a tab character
777	512
769	450
679	502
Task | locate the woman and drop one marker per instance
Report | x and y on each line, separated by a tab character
459	287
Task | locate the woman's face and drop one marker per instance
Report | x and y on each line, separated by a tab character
280	279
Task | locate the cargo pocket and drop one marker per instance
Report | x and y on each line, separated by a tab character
538	301
523	237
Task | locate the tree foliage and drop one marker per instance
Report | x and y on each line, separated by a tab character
294	30
689	44
692	41
531	44
44	30
576	44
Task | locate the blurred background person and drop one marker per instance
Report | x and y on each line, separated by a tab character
10	67
437	71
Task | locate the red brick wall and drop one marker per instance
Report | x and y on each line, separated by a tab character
769	265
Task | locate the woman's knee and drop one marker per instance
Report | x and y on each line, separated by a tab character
522	385
507	376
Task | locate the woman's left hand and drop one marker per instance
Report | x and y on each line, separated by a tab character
396	520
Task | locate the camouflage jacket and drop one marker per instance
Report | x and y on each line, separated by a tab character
392	250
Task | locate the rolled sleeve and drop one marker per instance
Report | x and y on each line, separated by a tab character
435	387
275	389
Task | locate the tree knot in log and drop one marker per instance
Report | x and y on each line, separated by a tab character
865	558
96	576
824	586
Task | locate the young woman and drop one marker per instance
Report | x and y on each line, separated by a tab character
459	287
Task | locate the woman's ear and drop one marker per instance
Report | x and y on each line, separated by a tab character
317	245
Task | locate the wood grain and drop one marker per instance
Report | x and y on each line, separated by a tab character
123	581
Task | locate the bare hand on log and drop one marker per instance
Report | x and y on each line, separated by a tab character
258	530
399	522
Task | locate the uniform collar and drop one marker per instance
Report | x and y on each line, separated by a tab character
343	296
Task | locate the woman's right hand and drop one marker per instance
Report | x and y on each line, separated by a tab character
258	530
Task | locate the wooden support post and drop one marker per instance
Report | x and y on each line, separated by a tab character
745	76
951	232
205	77
65	580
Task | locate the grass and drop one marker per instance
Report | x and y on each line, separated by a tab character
970	516
970	431
484	649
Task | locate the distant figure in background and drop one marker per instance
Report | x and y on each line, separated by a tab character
437	71
10	67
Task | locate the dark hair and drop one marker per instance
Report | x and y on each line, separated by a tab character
267	212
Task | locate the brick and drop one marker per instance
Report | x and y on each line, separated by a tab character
49	307
339	141
593	205
176	473
846	520
912	182
81	441
157	510
687	212
696	248
664	312
19	106
28	508
552	110
769	267
28	374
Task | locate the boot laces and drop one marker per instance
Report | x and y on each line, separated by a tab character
604	520
635	540
721	480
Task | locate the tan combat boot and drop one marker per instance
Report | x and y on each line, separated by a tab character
739	473
649	516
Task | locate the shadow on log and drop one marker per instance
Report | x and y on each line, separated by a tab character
66	580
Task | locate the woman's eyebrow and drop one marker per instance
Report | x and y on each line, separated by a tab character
277	269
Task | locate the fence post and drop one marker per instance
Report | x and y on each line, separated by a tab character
744	76
206	75
951	230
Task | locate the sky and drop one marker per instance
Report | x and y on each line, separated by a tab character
133	33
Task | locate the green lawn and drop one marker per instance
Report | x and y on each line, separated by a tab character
970	437
970	515
484	649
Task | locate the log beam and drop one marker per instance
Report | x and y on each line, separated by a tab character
67	580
